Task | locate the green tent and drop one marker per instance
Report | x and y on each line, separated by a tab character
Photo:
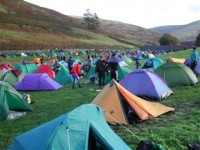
10	99
1	73
84	128
11	78
27	69
127	60
122	72
91	72
76	60
152	63
63	76
176	74
82	53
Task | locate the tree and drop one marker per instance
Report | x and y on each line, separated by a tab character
168	39
198	40
92	20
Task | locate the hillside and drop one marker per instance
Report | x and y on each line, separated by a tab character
186	32
27	26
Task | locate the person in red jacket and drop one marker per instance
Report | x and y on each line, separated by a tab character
76	72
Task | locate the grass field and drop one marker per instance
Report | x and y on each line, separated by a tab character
173	130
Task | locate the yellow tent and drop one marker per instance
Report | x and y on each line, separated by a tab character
151	55
113	97
179	60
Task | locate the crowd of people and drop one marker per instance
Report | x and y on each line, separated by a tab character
106	65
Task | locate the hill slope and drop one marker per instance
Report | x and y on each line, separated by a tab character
186	32
27	26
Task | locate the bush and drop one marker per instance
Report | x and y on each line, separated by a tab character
168	39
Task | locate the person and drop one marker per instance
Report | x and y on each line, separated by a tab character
56	66
76	72
89	62
194	58
137	58
70	63
24	62
101	69
41	59
113	63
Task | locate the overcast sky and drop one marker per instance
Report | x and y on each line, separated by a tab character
144	13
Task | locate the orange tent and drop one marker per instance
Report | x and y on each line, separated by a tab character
111	100
37	61
179	60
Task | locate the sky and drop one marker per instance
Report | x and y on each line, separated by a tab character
143	13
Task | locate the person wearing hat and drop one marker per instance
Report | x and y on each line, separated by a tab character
194	58
76	72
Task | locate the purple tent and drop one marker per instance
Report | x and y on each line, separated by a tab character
146	84
37	82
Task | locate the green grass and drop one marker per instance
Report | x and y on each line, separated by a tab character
98	39
3	9
173	130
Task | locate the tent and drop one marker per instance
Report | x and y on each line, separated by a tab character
178	60
145	83
2	66
122	72
152	63
114	100
122	63
10	99
45	69
77	130
63	76
127	60
37	60
176	74
2	73
82	53
12	78
27	69
37	82
91	72
23	55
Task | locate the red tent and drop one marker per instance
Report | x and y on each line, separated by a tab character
2	66
46	69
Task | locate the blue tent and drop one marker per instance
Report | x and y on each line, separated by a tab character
145	83
77	130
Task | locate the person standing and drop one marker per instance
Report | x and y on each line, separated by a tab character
194	58
137	58
113	66
76	72
101	69
70	63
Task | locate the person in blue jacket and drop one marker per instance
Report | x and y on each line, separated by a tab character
194	58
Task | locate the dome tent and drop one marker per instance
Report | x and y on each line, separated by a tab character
76	130
10	99
37	82
145	83
176	74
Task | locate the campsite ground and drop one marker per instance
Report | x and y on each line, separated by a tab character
173	130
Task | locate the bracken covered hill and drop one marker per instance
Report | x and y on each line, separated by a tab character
27	26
